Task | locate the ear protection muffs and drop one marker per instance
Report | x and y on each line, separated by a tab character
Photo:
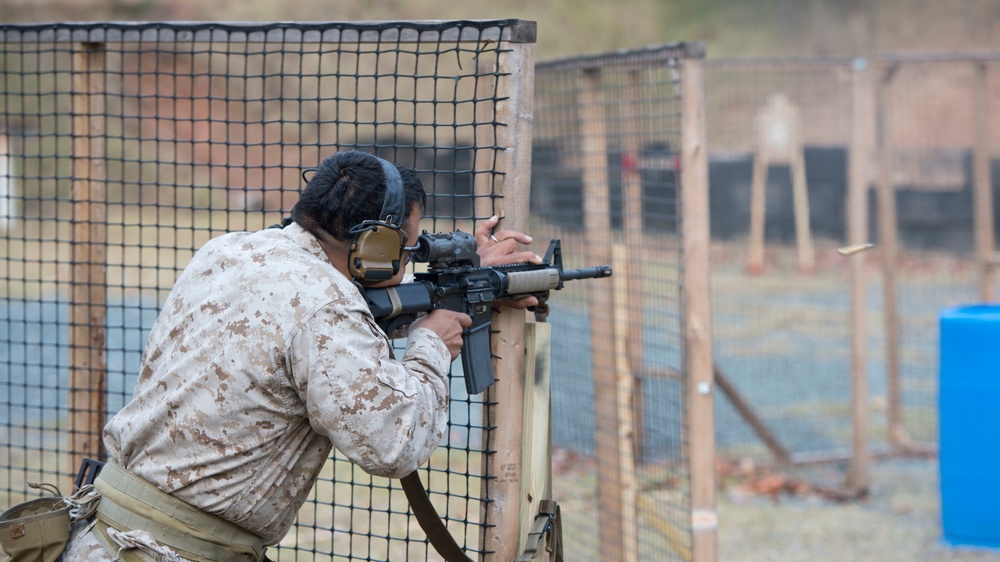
377	247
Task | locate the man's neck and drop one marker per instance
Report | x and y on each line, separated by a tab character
337	252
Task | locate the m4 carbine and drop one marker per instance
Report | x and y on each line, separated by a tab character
455	281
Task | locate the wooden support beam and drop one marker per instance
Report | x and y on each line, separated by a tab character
859	476
631	262
983	186
504	514
857	233
617	518
748	414
697	313
758	210
536	451
800	204
88	302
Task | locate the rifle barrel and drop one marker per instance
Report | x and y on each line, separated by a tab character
595	272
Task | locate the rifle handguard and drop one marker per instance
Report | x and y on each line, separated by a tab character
527	282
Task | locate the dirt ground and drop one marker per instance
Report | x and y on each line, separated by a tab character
898	522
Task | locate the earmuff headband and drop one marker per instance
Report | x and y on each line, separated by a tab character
392	208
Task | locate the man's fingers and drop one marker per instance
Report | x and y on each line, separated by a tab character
518	304
504	253
448	325
514	235
524	257
483	232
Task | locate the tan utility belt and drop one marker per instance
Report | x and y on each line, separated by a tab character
130	503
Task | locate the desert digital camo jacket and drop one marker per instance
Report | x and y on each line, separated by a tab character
262	356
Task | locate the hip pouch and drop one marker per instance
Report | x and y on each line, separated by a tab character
38	530
35	531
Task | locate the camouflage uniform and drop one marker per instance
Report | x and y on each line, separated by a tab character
263	356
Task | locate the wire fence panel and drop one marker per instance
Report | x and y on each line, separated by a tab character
780	293
937	157
919	128
125	147
605	178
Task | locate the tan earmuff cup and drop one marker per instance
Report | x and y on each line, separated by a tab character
375	254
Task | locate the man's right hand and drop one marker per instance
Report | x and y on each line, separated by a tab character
448	325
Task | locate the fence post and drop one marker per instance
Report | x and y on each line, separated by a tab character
87	312
696	305
507	516
633	253
616	487
857	233
983	191
888	237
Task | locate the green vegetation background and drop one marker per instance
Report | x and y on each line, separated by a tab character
730	28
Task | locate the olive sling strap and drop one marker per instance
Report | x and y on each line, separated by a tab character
430	521
546	522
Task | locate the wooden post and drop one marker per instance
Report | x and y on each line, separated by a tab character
537	423
87	312
758	210
633	254
857	233
888	238
617	516
983	191
506	516
800	203
696	306
624	399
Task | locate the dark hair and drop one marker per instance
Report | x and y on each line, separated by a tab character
347	189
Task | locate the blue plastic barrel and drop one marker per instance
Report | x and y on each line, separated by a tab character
969	424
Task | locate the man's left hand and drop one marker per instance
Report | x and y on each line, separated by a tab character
504	247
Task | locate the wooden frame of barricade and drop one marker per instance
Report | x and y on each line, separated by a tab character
517	469
517	406
859	120
617	353
871	166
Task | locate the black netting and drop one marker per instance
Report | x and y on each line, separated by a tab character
125	147
606	179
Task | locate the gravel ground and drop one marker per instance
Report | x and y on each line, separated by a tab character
899	521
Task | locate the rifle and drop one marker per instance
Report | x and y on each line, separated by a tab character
455	281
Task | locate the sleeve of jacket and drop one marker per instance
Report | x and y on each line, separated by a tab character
387	416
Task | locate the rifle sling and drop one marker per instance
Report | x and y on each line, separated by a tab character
430	521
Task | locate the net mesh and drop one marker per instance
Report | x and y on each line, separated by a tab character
605	178
126	147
